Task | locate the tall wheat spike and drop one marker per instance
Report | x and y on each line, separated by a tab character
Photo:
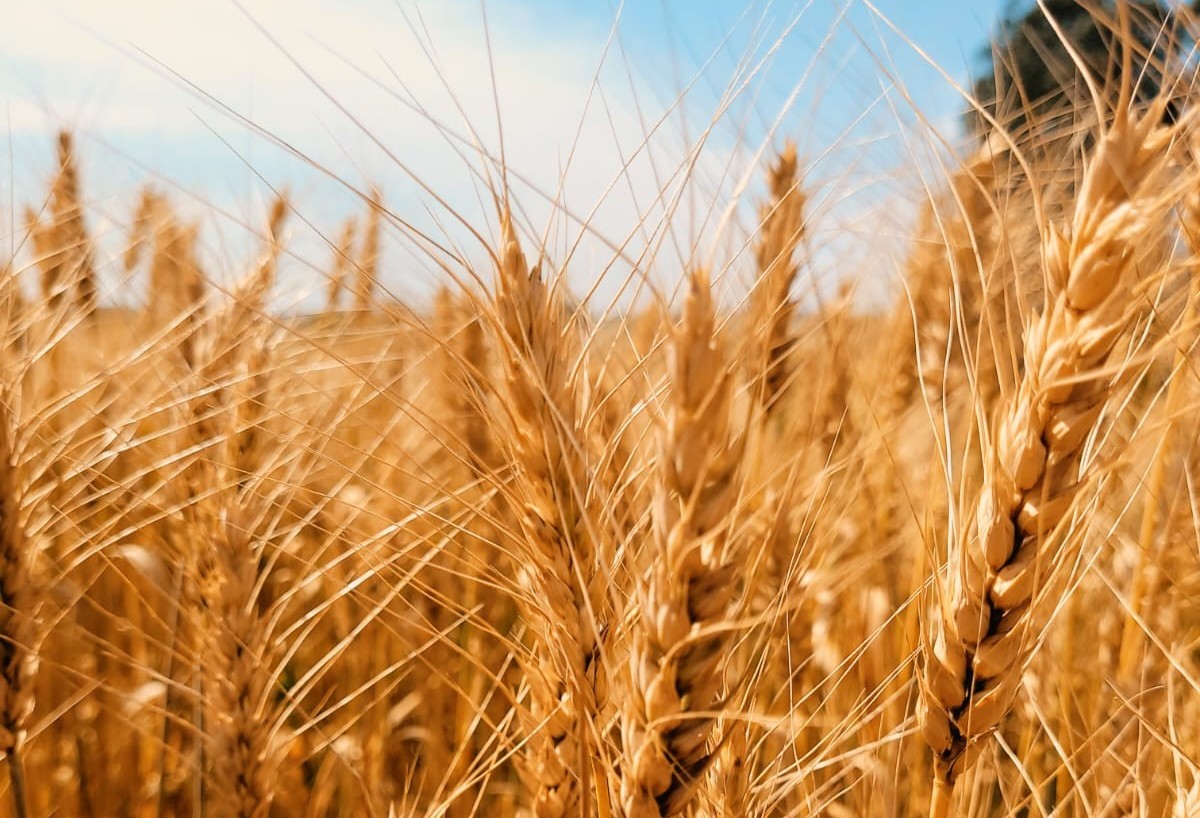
558	556
367	270
982	629
340	267
245	752
682	637
772	307
64	249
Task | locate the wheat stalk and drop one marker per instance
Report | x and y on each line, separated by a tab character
19	601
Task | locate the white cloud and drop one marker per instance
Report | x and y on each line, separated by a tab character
92	66
119	72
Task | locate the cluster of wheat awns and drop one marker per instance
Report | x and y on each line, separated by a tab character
514	554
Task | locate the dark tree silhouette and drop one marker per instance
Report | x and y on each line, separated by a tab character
1030	83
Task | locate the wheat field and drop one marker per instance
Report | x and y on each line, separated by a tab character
514	552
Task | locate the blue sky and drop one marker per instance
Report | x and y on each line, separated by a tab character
394	92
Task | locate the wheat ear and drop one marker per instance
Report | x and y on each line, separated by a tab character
62	245
70	232
367	271
771	304
245	754
558	558
982	634
340	266
681	640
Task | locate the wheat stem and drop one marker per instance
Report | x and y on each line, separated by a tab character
16	774
940	800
